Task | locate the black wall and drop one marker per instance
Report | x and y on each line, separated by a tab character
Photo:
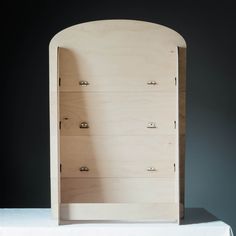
209	29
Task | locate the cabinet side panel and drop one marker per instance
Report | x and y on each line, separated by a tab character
54	131
182	117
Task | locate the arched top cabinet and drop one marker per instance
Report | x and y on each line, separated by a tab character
117	121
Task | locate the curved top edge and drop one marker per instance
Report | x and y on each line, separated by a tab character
146	23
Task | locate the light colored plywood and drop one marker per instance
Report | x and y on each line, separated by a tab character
117	113
118	168
108	148
117	190
107	69
54	132
117	156
118	55
111	36
117	58
164	212
178	121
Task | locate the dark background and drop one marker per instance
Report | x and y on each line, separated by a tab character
209	29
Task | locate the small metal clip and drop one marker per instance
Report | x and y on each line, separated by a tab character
151	169
151	125
152	82
84	125
84	168
83	83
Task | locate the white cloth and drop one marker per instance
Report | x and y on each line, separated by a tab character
38	222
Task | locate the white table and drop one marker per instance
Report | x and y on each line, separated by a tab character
38	222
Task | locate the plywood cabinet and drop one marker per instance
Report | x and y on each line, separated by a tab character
117	122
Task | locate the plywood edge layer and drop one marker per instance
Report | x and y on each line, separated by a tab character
182	125
165	212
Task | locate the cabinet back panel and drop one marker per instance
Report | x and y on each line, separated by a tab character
117	190
118	68
118	156
118	113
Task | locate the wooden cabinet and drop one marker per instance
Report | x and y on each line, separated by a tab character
117	122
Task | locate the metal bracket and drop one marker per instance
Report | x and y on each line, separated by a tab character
151	169
84	168
151	125
151	82
84	125
83	83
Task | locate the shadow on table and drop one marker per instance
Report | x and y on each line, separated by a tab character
197	215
